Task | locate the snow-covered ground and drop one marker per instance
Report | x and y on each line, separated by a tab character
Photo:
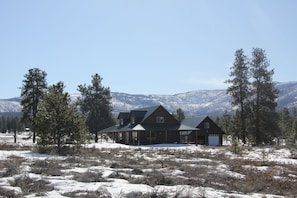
108	169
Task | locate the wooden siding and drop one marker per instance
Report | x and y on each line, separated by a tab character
168	118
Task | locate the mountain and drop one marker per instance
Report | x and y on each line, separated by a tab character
192	103
201	102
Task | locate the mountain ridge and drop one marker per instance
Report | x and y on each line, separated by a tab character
197	102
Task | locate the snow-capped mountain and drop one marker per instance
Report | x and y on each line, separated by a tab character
192	103
201	102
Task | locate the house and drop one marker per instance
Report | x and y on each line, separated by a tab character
209	134
151	125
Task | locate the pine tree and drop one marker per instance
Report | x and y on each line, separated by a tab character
264	95
285	123
240	92
57	121
179	115
225	122
95	103
292	136
32	91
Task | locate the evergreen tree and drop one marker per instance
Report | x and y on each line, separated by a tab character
240	92
225	122
32	91
57	121
95	103
292	136
264	95
3	124
11	124
179	115
285	123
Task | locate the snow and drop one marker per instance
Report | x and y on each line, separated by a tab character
119	187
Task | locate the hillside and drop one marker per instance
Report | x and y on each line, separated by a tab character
200	102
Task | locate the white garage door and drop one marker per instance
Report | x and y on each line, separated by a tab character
213	140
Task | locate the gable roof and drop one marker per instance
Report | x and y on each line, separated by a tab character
193	121
145	112
123	115
196	121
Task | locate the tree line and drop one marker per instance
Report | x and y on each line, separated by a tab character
54	119
8	124
252	89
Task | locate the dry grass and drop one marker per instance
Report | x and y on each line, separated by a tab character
11	166
156	167
28	185
47	167
89	176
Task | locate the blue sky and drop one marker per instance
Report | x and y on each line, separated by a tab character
142	47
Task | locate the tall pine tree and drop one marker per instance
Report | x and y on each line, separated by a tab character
264	95
32	91
239	90
95	103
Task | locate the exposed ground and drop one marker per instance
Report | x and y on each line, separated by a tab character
114	170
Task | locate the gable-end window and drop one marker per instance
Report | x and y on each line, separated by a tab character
133	120
121	122
206	125
159	119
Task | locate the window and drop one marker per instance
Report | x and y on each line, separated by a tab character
134	135
151	135
120	136
133	120
206	125
121	122
159	119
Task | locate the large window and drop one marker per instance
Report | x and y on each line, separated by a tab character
206	125
120	136
159	119
134	135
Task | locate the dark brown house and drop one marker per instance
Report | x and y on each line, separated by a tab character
209	132
152	125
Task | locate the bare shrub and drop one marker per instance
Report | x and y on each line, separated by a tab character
157	178
115	165
137	171
47	167
10	193
99	193
28	185
118	175
11	166
293	151
13	147
74	160
138	194
89	177
236	148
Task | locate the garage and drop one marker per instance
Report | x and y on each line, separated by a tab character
213	140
